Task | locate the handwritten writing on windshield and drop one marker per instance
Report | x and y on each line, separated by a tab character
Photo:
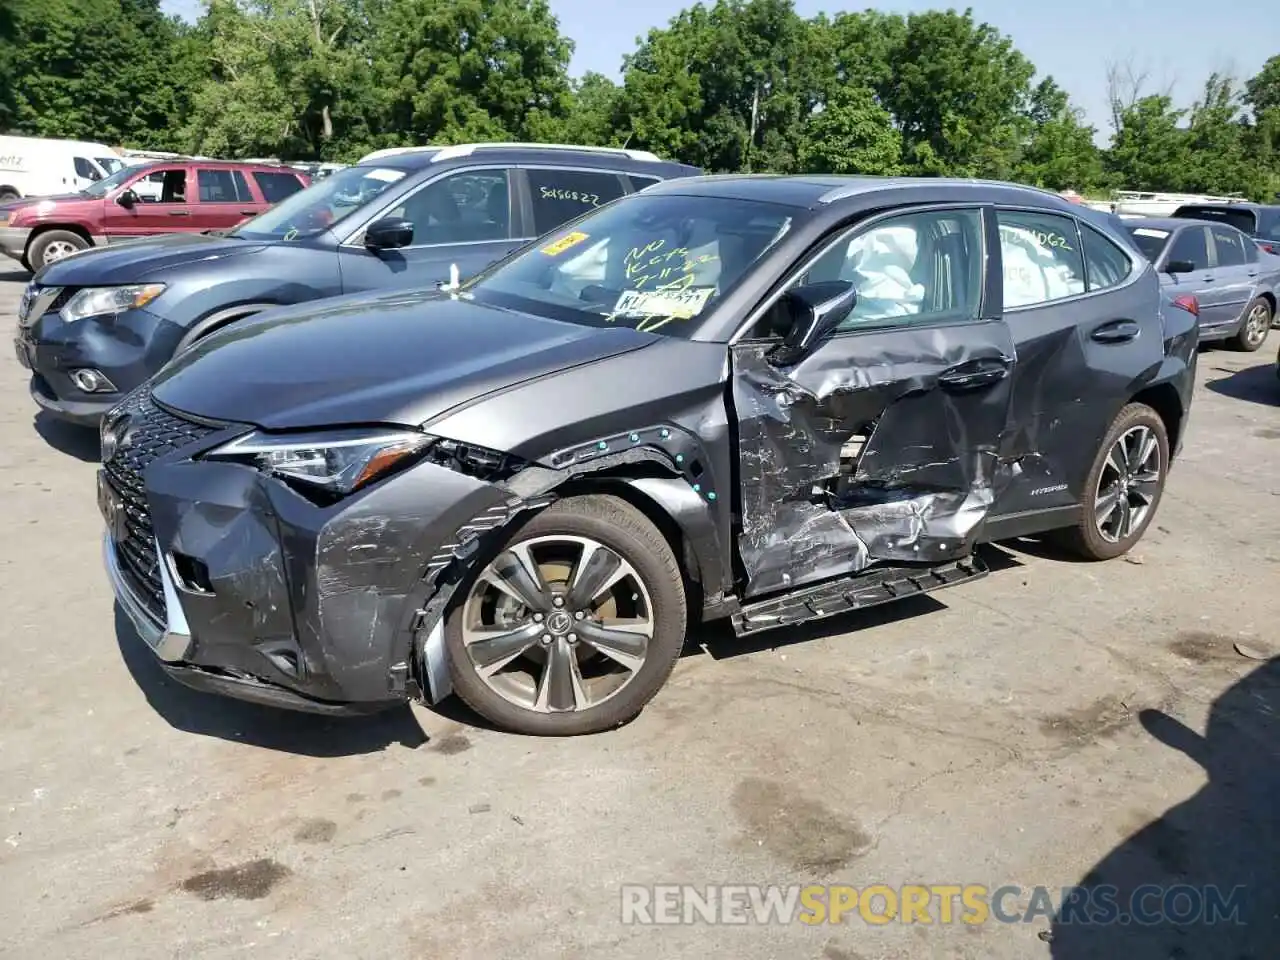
575	196
672	267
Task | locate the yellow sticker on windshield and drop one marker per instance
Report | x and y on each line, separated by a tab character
557	247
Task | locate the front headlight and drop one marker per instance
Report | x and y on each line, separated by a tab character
108	301
338	461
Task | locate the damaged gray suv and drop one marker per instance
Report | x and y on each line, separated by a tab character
765	399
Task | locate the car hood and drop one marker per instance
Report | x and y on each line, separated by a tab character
138	260
10	205
403	358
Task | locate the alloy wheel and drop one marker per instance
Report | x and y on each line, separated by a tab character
557	624
58	250
1257	324
1128	484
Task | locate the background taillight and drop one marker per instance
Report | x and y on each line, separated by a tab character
1188	302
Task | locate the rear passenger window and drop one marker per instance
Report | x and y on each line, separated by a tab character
223	186
639	183
1041	254
276	186
1230	249
560	195
1106	265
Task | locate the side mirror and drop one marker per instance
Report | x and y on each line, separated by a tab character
127	199
389	233
1179	266
815	311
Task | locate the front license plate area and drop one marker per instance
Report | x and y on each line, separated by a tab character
112	507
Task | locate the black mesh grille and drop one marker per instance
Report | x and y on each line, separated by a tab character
152	432
61	299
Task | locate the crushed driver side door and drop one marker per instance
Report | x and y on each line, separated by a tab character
882	445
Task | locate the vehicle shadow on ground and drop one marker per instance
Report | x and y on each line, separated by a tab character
193	711
1257	384
69	438
17	275
1226	837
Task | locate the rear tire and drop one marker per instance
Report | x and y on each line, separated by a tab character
1257	324
569	658
8	195
54	245
1123	488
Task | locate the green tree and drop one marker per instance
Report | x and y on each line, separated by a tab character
451	71
957	93
851	134
1262	91
1149	151
90	69
1060	152
591	118
1220	160
726	87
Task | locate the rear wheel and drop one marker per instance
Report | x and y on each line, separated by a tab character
7	194
1124	487
574	626
54	245
1253	332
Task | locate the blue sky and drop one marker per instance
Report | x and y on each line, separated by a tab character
1179	42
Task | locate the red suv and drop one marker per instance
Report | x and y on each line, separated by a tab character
142	201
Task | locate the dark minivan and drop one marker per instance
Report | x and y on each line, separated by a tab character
1260	222
97	325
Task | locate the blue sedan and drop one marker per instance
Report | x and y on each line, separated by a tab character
1234	283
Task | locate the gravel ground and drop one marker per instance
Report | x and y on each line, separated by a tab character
991	735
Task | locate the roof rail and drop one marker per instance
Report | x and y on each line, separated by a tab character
466	149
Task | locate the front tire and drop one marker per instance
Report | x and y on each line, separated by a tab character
1124	486
1257	324
54	245
574	626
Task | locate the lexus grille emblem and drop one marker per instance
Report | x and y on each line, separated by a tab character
116	435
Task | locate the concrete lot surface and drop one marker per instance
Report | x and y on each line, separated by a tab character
992	735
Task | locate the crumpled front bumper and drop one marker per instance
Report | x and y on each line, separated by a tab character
301	606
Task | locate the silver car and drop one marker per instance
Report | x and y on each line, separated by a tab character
1233	282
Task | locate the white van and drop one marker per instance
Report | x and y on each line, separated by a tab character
35	167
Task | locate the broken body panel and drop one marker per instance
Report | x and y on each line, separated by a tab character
882	458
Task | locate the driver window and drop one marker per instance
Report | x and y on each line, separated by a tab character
173	185
465	207
911	269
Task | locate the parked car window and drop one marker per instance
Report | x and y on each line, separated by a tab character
1106	265
464	207
1269	229
1229	247
1240	219
319	207
916	268
173	189
1150	240
109	164
651	263
1041	254
276	186
561	195
1191	246
223	186
86	169
639	183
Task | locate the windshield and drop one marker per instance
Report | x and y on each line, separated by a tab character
109	164
652	263
317	208
1150	241
100	188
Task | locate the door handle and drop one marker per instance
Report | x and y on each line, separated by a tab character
973	374
179	213
1253	274
1208	279
1116	331
247	213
